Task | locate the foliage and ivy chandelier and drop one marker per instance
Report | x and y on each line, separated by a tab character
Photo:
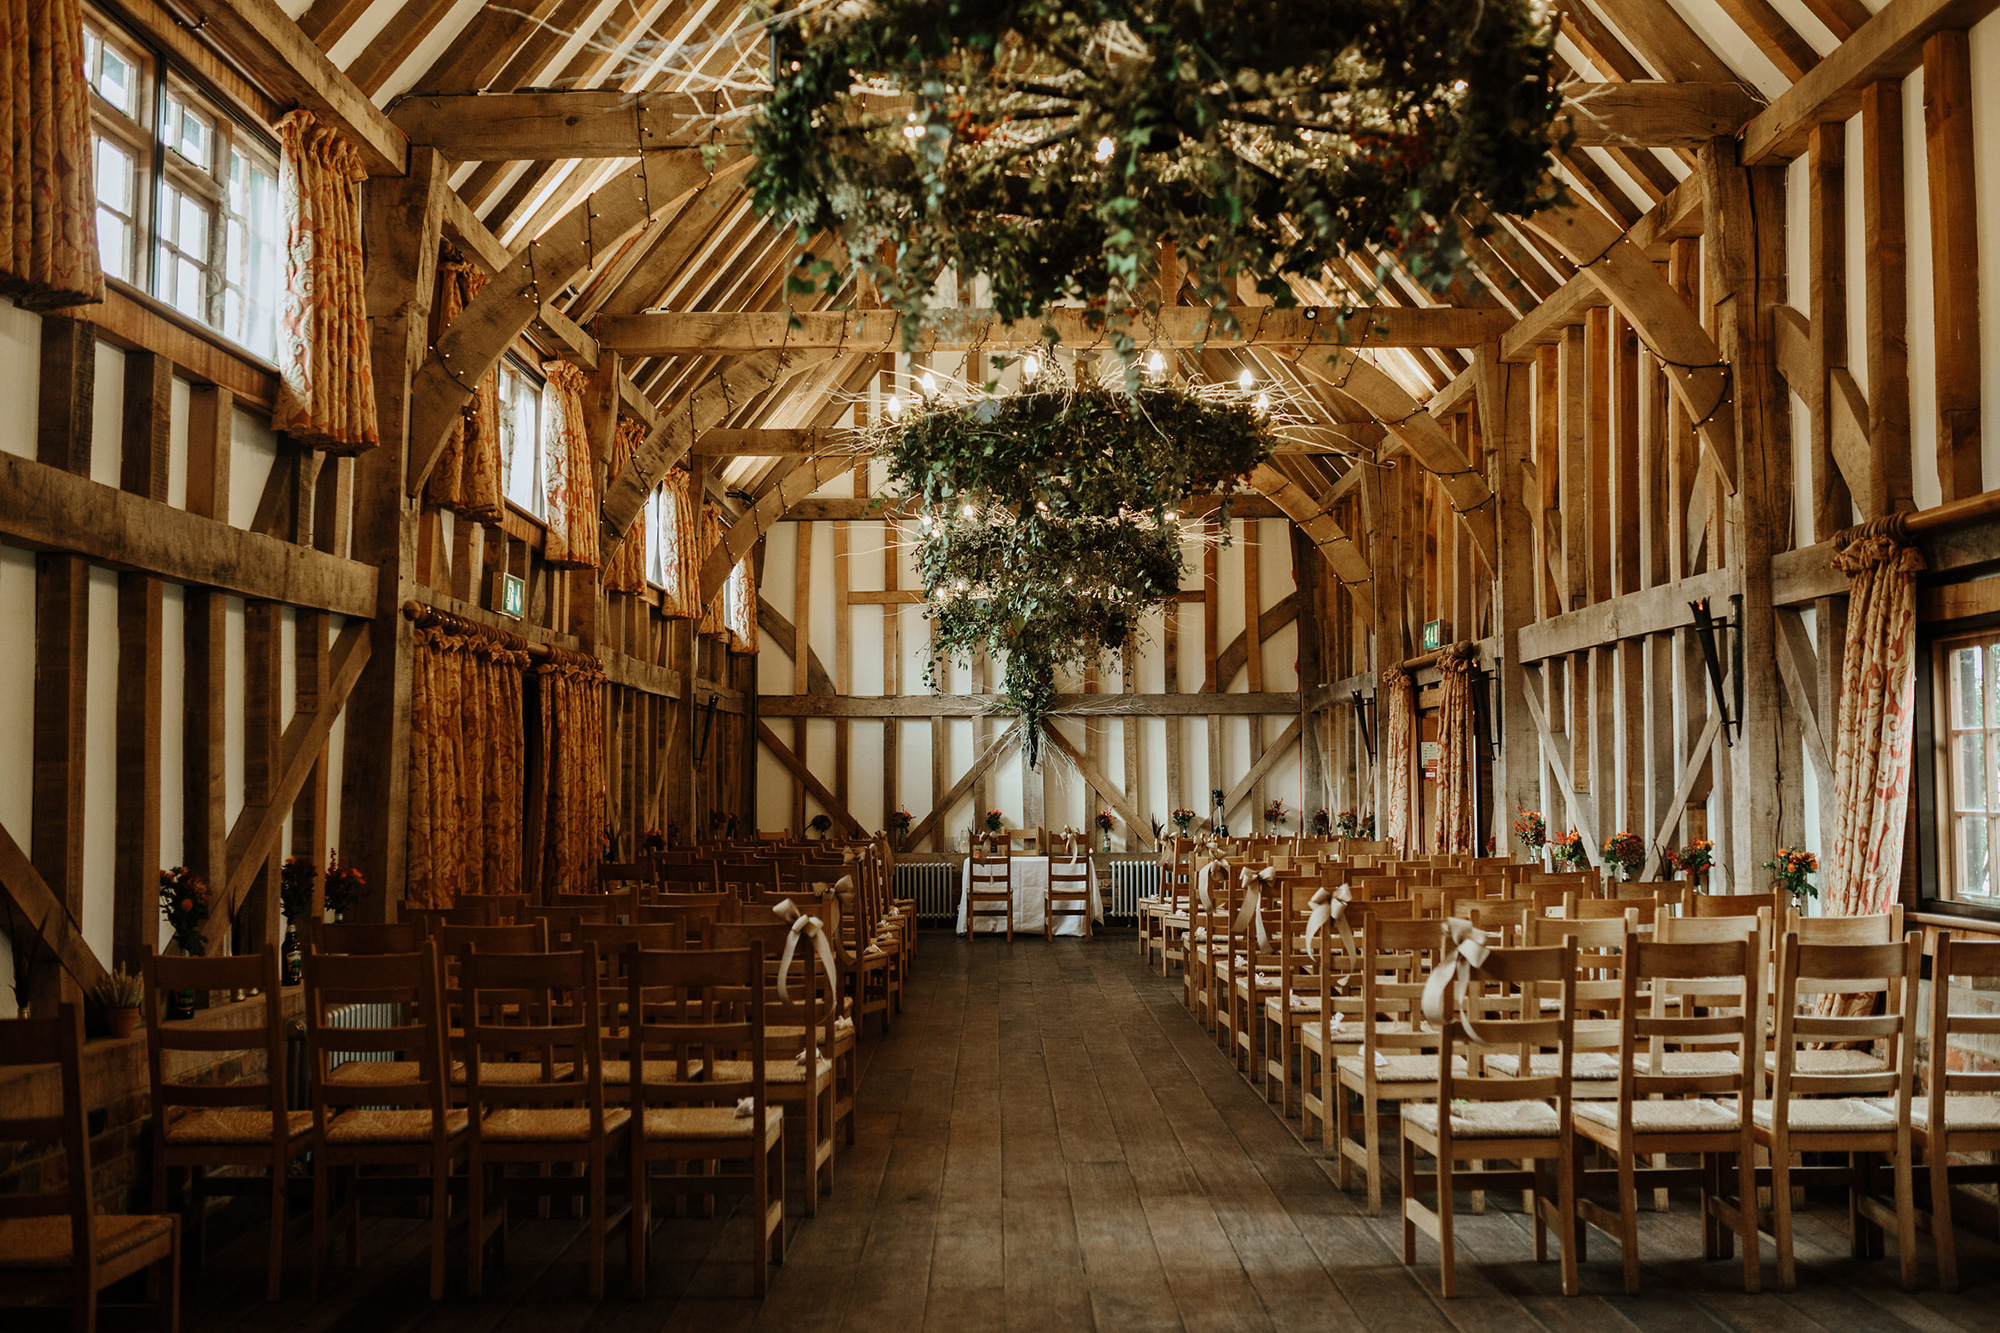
1049	521
1053	145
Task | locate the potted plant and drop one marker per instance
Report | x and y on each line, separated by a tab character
820	825
1532	830
1567	848
1694	861
1183	819
121	993
1627	852
344	887
1105	822
295	897
1791	871
1322	822
899	829
185	904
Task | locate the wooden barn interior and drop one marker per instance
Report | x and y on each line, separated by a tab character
479	700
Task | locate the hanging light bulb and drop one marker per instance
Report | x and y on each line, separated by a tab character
926	522
1245	380
969	512
1263	402
1173	515
895	406
1031	366
1156	363
928	384
911	129
1105	147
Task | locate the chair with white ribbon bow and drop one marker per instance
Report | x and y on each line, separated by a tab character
1210	915
1396	1059
1251	968
1289	1001
800	1007
1163	919
1477	1119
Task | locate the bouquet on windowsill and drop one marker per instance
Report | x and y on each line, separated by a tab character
1368	826
344	885
995	821
185	903
1275	816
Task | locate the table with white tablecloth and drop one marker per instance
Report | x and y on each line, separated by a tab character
1031	889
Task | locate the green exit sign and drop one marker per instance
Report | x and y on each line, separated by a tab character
1434	634
513	595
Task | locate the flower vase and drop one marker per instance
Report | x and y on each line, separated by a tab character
294	960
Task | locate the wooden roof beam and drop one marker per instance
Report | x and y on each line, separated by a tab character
1888	46
1654	114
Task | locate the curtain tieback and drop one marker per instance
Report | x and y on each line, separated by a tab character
1253	882
1465	949
803	925
1330	906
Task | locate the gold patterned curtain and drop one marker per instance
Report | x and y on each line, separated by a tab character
1458	755
1397	720
713	622
466	778
572	763
466	479
569	474
739	607
625	571
1878	679
326	388
680	547
48	229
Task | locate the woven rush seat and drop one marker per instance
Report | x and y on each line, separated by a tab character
1409	1068
1842	1060
1588	1066
1821	1115
1680	1115
381	1073
618	1073
1301	1004
44	1242
231	1127
534	1124
1972	1112
1488	1120
776	1071
513	1073
391	1126
710	1122
1689	1064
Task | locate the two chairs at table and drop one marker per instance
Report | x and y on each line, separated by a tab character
990	885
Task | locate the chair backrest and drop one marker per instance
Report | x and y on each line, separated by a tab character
694	913
811	1003
1852	975
744	878
525	937
697	1005
1728	968
257	971
623	876
554	1022
369	936
1500	1013
991	872
561	922
688	876
408	986
1736	904
1956	957
1882	928
1397	958
52	1041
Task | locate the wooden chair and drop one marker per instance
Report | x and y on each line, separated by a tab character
1864	1112
54	1244
244	1124
369	937
687	876
1396	1059
1072	886
403	1120
1522	1116
990	881
695	914
555	1113
1735	904
561	923
1960	1109
705	1007
1703	1111
798	1071
1333	1028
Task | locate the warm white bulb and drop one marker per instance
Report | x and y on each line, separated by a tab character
928	384
1156	363
1031	367
1245	380
1105	147
1173	514
969	511
1263	402
895	406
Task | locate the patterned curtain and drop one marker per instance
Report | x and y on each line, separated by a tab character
739	607
1878	679
466	479
48	228
466	775
680	547
1397	715
625	571
713	622
326	388
569	473
1458	755
572	757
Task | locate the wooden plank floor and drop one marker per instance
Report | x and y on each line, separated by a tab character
1047	1141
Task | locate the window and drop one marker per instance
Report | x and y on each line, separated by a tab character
656	546
521	437
187	197
1968	730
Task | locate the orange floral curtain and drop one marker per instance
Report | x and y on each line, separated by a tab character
1458	755
1878	679
739	607
326	387
466	776
466	479
625	571
572	773
713	622
569	474
48	228
680	547
1396	719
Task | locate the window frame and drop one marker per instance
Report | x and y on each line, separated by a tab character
1929	842
512	363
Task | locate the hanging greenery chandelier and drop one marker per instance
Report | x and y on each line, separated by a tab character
1050	520
1053	146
